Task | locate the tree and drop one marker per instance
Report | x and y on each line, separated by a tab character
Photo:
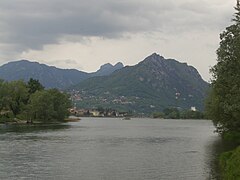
48	105
61	103
31	102
3	95
40	106
223	105
34	85
171	113
17	96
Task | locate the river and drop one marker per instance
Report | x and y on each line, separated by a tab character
109	149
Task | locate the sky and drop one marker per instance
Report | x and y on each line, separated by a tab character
84	35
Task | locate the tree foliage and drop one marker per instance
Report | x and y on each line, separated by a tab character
48	105
223	104
34	85
174	113
13	96
29	101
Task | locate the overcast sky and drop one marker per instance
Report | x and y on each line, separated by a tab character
86	34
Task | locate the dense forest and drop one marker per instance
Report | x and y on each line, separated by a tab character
30	102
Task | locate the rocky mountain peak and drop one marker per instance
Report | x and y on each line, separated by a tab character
119	65
105	66
153	59
155	56
108	68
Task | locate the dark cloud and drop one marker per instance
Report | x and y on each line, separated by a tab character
30	24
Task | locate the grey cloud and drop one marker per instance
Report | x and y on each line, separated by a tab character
207	15
30	24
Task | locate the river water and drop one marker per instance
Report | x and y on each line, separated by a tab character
109	149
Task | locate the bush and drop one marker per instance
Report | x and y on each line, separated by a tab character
230	164
232	136
6	117
158	115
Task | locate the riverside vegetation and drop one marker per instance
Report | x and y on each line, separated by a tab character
223	105
175	113
21	102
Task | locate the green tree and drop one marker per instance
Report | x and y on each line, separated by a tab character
16	97
48	105
34	85
40	106
189	114
3	96
171	113
61	103
223	104
5	112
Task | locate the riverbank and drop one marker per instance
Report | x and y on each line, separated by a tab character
230	164
229	161
13	121
20	121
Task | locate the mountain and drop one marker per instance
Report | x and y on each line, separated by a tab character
152	85
49	76
108	68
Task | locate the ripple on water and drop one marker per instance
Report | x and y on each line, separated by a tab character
109	149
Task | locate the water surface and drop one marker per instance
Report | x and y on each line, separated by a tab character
109	149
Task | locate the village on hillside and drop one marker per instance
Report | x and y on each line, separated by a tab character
100	112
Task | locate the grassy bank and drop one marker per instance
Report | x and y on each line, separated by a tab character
230	164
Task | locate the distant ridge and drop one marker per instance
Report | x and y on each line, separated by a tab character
49	76
151	85
108	68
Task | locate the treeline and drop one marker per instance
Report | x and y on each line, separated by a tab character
174	113
31	102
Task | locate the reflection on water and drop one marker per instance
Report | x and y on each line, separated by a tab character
110	149
27	128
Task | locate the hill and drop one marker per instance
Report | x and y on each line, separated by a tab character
152	85
49	76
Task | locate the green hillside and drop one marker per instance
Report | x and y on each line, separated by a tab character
152	85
